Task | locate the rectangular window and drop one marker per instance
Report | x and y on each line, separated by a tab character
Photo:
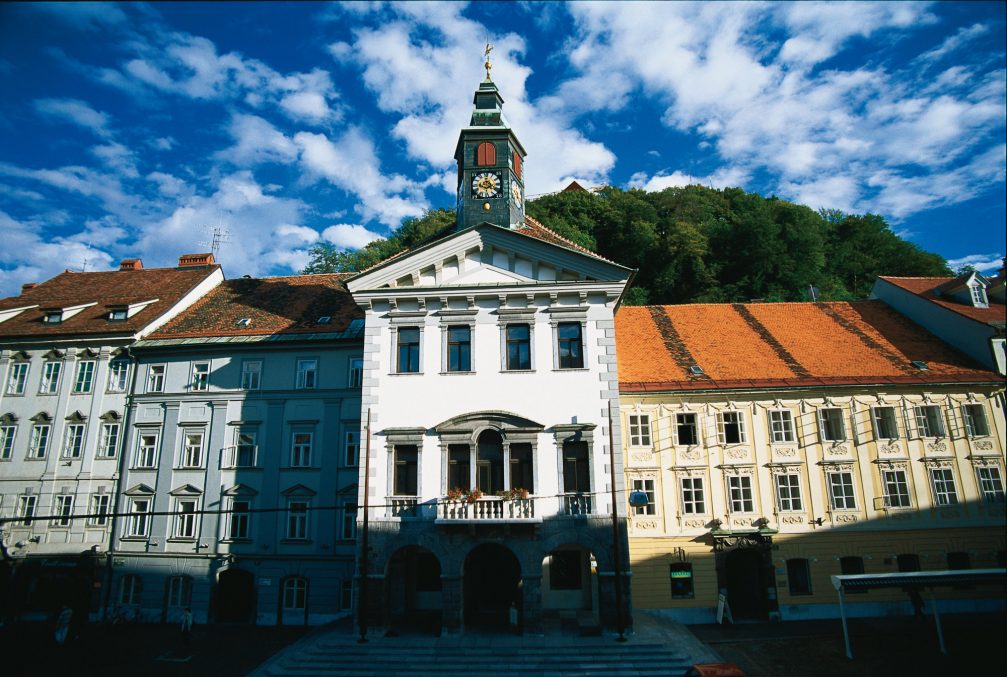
192	449
237	525
975	420
566	571
108	445
639	430
518	347
73	440
297	520
576	473
185	519
130	590
295	594
681	580
460	348
788	492
459	466
799	576
118	373
155	378
522	474
39	441
146	452
307	375
740	487
50	378
571	345
693	499
851	565
408	350
179	591
351	447
200	379
243	454
686	429
85	377
7	434
348	526
781	423
63	511
26	509
830	424
345	595
991	484
896	489
251	374
406	464
300	450
647	487
356	378
730	427
928	421
841	491
17	378
886	425
99	510
138	523
943	481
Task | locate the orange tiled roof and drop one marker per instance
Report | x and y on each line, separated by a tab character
104	289
274	305
925	287
755	345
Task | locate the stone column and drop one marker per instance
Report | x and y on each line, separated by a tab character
531	600
451	605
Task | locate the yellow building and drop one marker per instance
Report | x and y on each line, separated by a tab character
783	443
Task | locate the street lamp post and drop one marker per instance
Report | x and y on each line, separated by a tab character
362	601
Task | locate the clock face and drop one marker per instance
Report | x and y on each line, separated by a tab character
486	184
515	191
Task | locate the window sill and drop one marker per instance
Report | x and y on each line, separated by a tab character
181	539
190	467
14	394
34	458
135	539
456	373
143	469
405	373
296	541
96	526
572	369
300	467
517	371
237	541
242	467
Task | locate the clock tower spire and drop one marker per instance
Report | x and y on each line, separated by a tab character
490	162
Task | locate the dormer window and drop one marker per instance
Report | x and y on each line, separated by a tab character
52	317
118	314
978	296
696	370
921	365
244	322
324	319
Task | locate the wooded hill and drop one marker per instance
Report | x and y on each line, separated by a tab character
698	244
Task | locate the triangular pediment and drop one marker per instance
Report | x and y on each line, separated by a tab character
139	490
240	490
185	490
486	255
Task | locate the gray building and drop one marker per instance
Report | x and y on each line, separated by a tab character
240	461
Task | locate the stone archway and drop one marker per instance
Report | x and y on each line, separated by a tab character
235	596
413	596
745	571
491	587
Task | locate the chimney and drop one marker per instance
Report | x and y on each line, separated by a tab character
131	264
190	260
28	286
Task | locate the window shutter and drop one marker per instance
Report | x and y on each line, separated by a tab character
720	428
700	432
517	164
820	415
910	415
486	154
953	429
854	429
969	427
674	429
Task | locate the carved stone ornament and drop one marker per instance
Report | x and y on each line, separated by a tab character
747	540
890	448
984	461
784	469
737	453
893	465
839	467
838	450
786	452
740	470
984	445
937	463
643	475
690	453
845	518
644	524
792	519
938	446
642	458
695	524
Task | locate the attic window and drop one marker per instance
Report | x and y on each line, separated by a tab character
978	296
118	314
52	317
244	322
324	319
921	365
696	370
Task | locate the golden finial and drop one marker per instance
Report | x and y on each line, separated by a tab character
486	55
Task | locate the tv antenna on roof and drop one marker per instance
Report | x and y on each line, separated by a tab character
220	236
87	251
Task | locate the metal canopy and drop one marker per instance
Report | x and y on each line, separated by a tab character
913	579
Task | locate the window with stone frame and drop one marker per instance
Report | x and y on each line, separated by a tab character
146	451
297	519
8	433
39	443
896	488
62	511
130	590
108	441
138	520
886	426
731	427
693	496
192	449
788	492
841	493
85	377
929	422
295	593
306	377
943	482
300	449
781	424
406	466
186	518
976	424
522	467
687	429
639	430
244	452
200	377
799	576
740	492
118	376
179	592
518	347
356	373
251	374
570	339
351	446
155	378
348	521
831	425
50	378
991	486
99	511
26	505
647	487
17	378
459	348
407	350
239	519
73	440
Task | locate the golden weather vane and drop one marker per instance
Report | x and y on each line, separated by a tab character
486	55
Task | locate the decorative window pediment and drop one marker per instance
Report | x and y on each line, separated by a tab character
299	490
53	354
20	356
240	490
140	490
348	490
41	417
111	417
8	419
186	490
76	417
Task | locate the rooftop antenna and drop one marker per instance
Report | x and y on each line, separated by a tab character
87	251
220	236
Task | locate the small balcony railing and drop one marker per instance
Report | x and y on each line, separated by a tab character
402	506
488	509
577	505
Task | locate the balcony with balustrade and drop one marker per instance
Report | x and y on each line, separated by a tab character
487	510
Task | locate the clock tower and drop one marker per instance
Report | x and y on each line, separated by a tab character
490	164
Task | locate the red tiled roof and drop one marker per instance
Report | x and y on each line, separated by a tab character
925	287
759	345
104	289
274	305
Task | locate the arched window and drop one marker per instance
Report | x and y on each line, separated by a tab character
486	154
517	165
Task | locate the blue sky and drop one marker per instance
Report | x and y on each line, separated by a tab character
132	129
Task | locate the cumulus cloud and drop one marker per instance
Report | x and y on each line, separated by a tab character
75	111
349	236
981	262
257	141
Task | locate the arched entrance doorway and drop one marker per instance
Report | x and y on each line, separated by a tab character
413	591
745	580
235	596
492	586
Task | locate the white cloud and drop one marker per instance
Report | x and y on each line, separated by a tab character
349	236
167	185
257	141
83	15
981	262
75	111
163	143
723	178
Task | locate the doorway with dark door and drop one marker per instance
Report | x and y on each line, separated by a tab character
492	587
745	580
235	596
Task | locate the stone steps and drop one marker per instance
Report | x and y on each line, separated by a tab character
414	656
